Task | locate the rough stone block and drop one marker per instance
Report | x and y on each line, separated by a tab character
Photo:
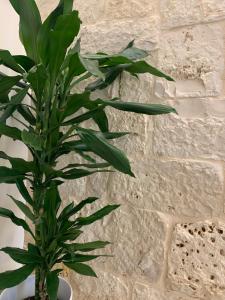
194	56
179	13
213	10
175	187
119	9
197	259
114	36
179	137
132	233
91	11
106	286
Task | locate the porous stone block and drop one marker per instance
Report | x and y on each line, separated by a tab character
197	259
194	56
213	10
179	13
179	137
182	188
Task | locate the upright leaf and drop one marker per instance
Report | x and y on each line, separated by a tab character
52	282
37	77
23	191
30	23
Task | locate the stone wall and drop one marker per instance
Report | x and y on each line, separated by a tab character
169	235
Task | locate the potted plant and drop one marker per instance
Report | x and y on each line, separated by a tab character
51	126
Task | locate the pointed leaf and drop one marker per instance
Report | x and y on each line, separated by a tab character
91	246
12	278
22	256
24	208
52	282
11	132
32	140
81	269
24	61
9	61
23	191
8	175
37	77
92	67
108	152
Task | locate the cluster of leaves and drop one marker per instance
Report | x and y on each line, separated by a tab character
51	126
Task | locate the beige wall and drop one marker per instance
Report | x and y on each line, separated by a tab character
10	234
169	235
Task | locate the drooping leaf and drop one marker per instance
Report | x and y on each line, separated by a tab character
24	61
82	269
108	152
12	106
92	67
24	208
23	191
9	61
26	114
140	108
32	140
6	213
96	216
18	164
6	83
52	282
11	132
30	23
143	67
12	278
86	247
8	175
22	256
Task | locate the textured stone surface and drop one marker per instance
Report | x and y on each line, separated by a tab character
189	138
178	188
179	13
197	258
114	36
194	57
213	10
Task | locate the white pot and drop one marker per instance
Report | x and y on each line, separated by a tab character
26	289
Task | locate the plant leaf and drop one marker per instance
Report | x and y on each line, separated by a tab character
22	256
32	140
23	191
37	77
24	208
6	213
92	67
82	269
108	152
11	132
6	83
30	22
86	247
9	61
83	221
12	278
24	61
8	175
52	282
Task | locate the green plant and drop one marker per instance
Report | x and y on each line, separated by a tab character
52	127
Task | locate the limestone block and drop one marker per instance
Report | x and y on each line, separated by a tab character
179	13
213	9
175	136
194	56
90	11
118	9
181	188
106	286
132	233
196	259
114	36
144	292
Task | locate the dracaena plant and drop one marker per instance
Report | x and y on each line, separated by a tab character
51	126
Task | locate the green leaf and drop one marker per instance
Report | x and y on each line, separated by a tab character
24	208
77	173
30	23
69	210
11	132
108	152
12	278
8	175
86	247
81	269
22	256
77	258
140	108
20	165
89	166
12	105
32	140
52	282
92	67
25	62
9	61
6	213
6	83
66	28
26	114
23	191
37	77
134	53
75	102
96	216
143	67
76	68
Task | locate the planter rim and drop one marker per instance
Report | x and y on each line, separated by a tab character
28	285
